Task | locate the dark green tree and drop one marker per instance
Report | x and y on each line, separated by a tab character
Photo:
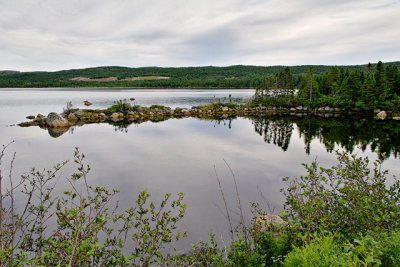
380	78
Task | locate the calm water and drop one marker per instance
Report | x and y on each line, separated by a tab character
179	155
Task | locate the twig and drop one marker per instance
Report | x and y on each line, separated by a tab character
239	202
226	205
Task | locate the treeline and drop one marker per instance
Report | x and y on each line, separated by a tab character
238	76
376	86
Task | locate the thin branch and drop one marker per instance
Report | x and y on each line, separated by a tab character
225	204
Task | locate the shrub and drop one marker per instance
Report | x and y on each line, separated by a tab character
82	227
390	245
348	198
321	251
120	106
364	251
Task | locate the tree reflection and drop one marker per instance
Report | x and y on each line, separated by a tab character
276	131
348	133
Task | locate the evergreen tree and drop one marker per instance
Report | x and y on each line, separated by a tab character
380	78
368	92
311	82
391	77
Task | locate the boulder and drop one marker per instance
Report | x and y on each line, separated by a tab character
57	132
56	120
397	118
79	113
72	117
264	222
87	103
40	120
382	115
225	109
132	99
116	116
299	108
27	124
31	117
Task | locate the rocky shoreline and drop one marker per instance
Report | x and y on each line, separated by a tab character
157	113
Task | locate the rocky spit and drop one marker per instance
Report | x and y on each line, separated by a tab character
158	113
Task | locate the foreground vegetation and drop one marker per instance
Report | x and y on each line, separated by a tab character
204	77
346	215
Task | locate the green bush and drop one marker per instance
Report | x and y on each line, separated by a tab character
89	230
365	251
390	245
120	106
349	198
322	251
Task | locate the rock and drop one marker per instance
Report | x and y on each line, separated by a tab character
57	132
79	113
40	120
72	117
31	117
116	116
381	115
337	110
225	109
27	124
396	118
292	109
39	117
87	103
264	222
56	120
376	111
139	109
103	116
299	108
132	99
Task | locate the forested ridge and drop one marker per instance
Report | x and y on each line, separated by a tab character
238	76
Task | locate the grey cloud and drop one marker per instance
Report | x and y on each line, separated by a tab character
51	35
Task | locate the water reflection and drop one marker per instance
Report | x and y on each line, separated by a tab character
347	133
277	130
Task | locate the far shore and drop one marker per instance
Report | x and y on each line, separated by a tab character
145	88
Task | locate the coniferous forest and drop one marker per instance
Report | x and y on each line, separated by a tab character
376	87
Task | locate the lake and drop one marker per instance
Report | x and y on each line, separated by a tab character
179	155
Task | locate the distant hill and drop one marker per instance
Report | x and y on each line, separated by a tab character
5	72
238	76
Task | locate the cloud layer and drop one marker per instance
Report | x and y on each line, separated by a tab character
61	34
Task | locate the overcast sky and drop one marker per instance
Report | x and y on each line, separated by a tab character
65	34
